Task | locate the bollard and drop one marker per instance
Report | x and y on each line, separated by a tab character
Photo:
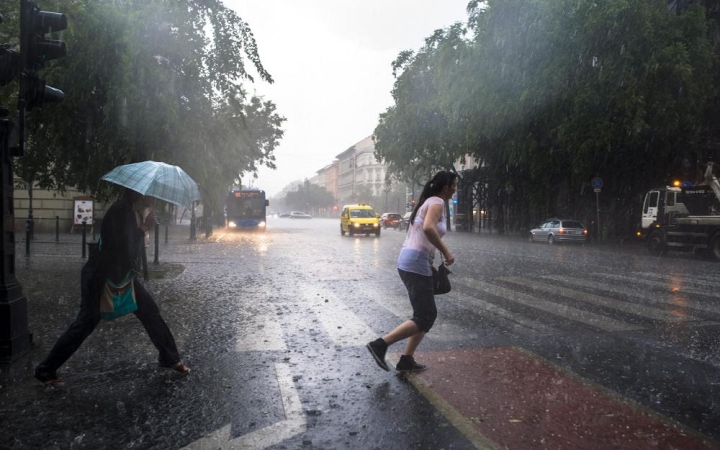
157	243
57	228
84	239
193	236
28	234
93	228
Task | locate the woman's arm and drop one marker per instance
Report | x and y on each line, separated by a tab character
433	215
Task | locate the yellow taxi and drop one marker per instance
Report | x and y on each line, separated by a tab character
356	219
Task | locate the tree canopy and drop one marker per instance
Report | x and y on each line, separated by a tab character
159	80
547	94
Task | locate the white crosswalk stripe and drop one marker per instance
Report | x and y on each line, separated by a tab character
264	331
343	326
261	332
667	284
558	309
635	309
709	282
478	305
670	299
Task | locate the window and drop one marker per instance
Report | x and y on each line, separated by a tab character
670	199
651	201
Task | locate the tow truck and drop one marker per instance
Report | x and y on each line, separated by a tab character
685	218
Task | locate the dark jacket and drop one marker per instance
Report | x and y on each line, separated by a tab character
121	241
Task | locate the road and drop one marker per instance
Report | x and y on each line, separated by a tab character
536	346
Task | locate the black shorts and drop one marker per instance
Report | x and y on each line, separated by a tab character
422	299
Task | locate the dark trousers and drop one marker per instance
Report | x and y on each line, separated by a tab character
88	318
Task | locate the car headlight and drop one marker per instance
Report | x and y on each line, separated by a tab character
356	225
232	224
376	225
261	224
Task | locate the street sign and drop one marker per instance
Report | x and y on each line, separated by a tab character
597	183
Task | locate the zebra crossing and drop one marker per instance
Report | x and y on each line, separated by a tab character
542	304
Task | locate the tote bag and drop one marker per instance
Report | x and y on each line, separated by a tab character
117	300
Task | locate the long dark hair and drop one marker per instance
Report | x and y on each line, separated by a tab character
433	187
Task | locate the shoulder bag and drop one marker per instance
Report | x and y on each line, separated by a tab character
441	282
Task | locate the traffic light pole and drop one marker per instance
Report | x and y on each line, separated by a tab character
15	340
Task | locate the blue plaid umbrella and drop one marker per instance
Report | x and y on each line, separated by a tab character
157	179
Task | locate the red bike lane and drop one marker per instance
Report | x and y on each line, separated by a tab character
506	397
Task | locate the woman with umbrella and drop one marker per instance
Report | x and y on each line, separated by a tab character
121	236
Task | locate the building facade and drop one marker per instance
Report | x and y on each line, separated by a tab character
360	174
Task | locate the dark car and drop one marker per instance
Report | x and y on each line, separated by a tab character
559	230
390	220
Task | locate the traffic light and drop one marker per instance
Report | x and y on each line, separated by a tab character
36	50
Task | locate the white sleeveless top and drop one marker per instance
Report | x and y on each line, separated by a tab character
417	252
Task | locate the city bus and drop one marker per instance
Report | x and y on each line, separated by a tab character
246	209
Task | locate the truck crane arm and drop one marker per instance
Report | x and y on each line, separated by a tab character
712	181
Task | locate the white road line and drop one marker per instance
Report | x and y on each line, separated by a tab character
568	312
269	436
473	304
262	332
668	284
342	325
692	278
670	299
632	308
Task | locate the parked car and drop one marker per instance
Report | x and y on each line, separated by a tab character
390	220
559	230
404	221
284	215
299	215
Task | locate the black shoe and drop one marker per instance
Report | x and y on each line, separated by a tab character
377	349
408	364
48	378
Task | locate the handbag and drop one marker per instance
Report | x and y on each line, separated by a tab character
441	282
118	300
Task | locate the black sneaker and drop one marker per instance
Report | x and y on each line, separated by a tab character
408	364
377	349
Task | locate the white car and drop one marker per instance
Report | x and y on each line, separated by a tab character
299	215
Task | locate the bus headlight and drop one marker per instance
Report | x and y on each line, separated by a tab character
261	224
232	224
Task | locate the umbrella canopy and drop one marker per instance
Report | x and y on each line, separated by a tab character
157	179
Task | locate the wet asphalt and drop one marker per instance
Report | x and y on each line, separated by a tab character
274	327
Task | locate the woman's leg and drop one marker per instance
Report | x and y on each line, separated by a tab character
160	335
402	331
420	292
87	319
412	344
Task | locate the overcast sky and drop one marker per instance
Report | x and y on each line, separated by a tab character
330	60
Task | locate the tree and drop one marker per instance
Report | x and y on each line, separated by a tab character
546	94
309	196
151	80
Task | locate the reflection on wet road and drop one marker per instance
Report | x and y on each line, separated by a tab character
536	346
